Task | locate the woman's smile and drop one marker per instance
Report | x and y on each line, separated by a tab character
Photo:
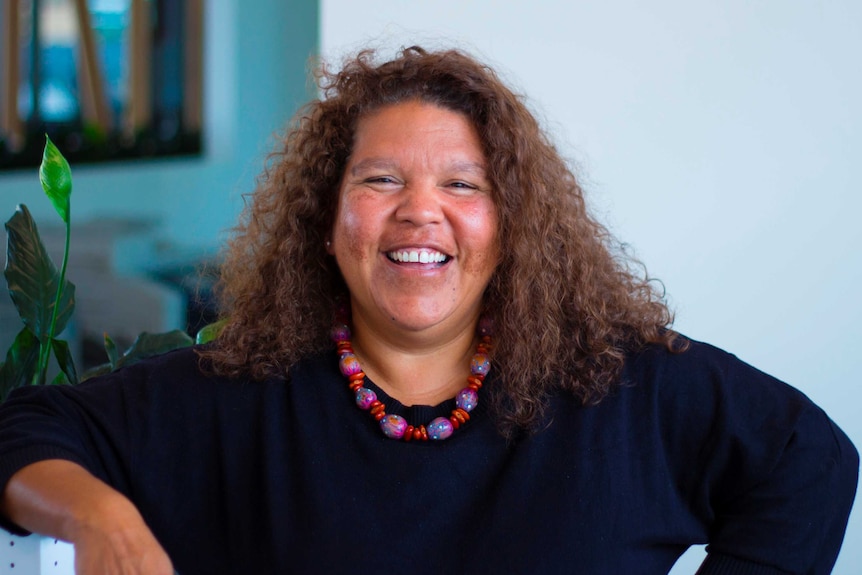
420	256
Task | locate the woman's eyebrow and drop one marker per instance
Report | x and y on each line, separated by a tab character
468	166
372	163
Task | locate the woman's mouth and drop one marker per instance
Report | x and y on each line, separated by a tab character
417	257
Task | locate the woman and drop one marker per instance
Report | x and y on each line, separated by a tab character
416	229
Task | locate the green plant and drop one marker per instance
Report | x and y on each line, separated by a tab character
45	299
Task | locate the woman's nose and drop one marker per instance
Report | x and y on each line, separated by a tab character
420	204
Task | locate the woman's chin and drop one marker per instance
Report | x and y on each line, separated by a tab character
419	317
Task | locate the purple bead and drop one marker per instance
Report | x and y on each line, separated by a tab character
440	428
339	333
467	399
480	364
393	426
365	397
349	365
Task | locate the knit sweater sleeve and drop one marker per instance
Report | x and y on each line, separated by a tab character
91	424
772	476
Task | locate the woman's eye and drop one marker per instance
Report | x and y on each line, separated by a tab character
380	180
462	186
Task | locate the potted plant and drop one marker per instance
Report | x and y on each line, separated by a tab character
45	302
45	299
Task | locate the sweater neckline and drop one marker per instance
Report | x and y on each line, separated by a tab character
414	414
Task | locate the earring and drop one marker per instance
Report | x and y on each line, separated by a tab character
328	244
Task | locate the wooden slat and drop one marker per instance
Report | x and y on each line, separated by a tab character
11	126
193	66
93	94
139	107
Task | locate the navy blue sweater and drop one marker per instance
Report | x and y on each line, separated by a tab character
290	477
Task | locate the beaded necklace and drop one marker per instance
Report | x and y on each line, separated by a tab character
396	427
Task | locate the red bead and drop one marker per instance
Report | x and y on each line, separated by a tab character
379	415
454	421
408	433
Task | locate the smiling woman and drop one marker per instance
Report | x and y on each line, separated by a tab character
415	238
418	251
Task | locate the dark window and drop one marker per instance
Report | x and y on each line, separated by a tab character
106	79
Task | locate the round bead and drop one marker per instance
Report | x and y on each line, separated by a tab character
459	415
440	428
480	364
365	397
349	365
393	426
467	399
340	333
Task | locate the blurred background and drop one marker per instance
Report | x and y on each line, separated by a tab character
720	139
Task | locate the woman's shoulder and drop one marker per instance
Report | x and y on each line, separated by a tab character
700	367
703	390
706	392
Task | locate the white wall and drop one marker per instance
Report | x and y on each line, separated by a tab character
722	139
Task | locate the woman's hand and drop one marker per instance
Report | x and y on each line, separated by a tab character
131	550
63	500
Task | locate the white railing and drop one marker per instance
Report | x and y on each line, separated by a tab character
35	555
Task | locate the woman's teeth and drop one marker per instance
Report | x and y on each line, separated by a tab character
417	256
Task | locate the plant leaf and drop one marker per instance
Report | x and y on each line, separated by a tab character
210	332
60	379
33	278
21	362
56	177
146	345
65	360
150	344
111	350
94	371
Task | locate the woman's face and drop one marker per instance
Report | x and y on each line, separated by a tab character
415	232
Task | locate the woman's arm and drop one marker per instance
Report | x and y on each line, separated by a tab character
63	500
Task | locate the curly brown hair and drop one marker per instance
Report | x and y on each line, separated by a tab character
567	302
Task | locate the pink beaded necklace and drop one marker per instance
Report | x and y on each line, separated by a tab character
395	426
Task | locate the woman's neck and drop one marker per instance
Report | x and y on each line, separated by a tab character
413	371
